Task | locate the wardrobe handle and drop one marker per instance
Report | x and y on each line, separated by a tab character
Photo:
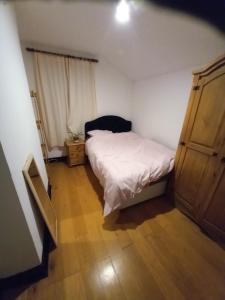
223	159
214	154
182	143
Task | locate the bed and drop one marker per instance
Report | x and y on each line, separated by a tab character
131	169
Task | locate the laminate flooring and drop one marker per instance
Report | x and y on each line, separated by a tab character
148	251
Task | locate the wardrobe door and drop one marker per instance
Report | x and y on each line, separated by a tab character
200	142
213	215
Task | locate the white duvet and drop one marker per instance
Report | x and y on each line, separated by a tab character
125	163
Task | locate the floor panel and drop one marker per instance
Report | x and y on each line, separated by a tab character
151	251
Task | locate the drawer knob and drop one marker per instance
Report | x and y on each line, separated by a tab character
182	143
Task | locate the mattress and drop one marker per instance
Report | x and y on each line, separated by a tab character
125	163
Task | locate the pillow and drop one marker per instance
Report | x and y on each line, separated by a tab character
99	132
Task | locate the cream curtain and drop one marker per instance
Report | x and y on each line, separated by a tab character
52	87
67	96
82	95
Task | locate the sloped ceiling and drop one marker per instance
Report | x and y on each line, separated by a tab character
155	41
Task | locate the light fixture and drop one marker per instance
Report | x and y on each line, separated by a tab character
123	12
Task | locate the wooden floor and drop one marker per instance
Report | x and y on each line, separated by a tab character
151	252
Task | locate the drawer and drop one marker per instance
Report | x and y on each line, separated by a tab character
76	160
80	148
74	154
77	155
75	148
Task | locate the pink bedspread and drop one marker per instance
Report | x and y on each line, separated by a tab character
125	163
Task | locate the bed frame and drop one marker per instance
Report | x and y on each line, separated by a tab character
117	124
112	123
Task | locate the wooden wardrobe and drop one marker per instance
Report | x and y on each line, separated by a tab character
200	159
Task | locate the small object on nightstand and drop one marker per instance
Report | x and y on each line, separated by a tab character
75	152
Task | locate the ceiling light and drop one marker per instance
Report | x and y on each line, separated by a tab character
123	12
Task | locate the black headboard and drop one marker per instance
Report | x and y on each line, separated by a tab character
113	123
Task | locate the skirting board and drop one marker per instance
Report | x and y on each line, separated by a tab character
152	191
56	159
50	190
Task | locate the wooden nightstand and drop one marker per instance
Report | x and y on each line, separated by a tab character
75	152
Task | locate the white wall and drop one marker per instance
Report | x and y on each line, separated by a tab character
159	105
113	89
19	138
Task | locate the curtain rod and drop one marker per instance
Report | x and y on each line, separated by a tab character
64	55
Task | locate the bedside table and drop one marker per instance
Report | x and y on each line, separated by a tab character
75	152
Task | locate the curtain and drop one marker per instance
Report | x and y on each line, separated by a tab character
82	95
67	97
51	78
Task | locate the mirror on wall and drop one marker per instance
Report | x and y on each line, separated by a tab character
37	188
